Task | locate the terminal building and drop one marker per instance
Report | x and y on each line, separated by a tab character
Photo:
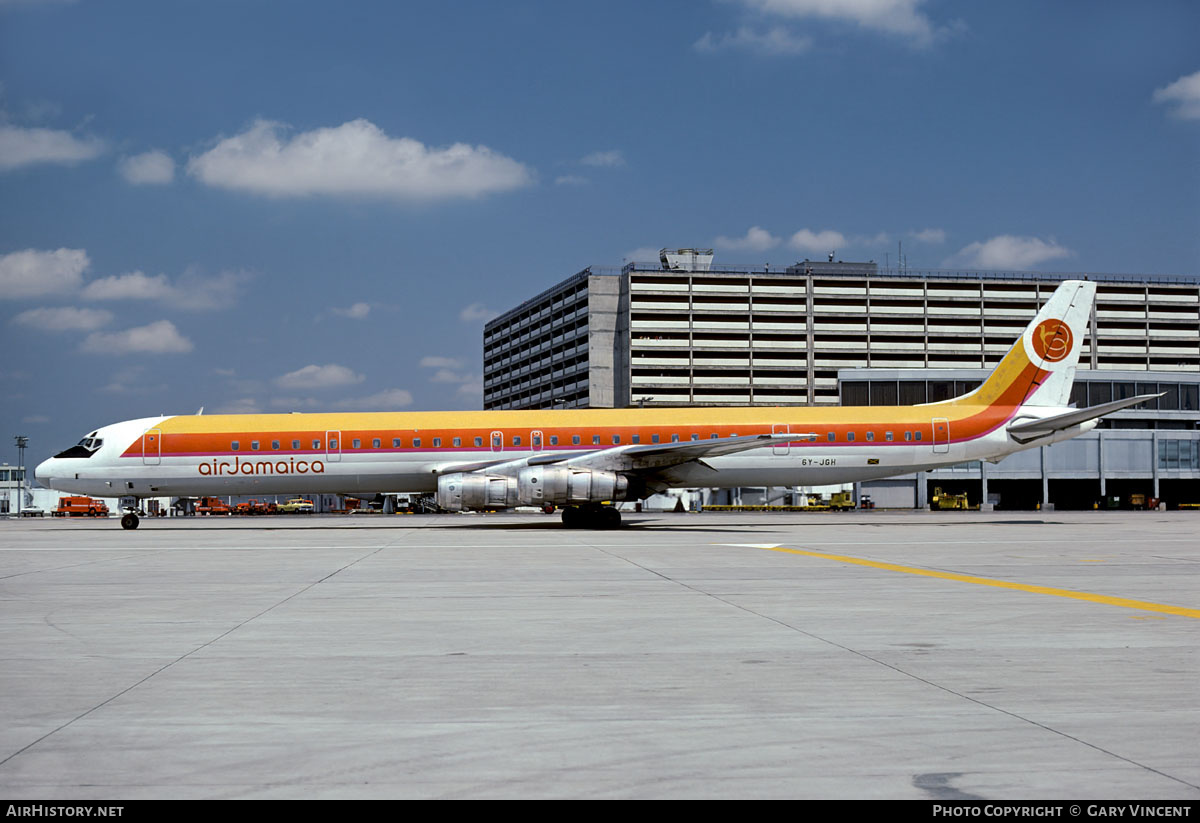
684	331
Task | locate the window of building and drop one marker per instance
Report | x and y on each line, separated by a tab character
1170	398
1189	396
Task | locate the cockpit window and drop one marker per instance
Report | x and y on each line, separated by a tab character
84	448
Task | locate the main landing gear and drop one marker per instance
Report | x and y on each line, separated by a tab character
129	521
591	517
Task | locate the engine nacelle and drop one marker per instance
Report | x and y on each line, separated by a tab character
459	491
565	486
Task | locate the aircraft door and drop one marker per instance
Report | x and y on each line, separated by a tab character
941	435
535	440
152	447
781	448
497	441
333	446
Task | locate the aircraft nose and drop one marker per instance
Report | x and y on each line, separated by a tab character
44	473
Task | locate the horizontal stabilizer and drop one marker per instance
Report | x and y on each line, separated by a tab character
1031	429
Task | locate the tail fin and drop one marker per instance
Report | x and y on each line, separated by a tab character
1040	367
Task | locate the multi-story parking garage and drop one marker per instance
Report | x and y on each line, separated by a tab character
687	332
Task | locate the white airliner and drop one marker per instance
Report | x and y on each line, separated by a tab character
585	459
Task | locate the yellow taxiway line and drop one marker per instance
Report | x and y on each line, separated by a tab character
1123	602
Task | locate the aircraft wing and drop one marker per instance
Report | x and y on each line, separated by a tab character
632	457
661	455
1031	429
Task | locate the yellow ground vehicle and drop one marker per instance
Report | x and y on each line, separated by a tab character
942	500
297	505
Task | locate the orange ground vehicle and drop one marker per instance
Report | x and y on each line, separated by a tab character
80	507
212	505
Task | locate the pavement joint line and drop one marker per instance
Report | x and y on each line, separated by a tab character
4	761
1122	602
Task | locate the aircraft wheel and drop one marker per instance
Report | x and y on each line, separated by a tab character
129	521
548	508
609	518
572	517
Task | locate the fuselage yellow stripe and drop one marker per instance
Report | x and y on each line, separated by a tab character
1123	602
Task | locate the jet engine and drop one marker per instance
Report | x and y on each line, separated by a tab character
537	486
462	490
565	486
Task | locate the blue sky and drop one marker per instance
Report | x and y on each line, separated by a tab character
277	206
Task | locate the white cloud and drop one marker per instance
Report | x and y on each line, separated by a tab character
1185	94
820	242
880	239
243	405
21	147
380	401
355	158
33	273
473	388
570	180
64	319
900	18
148	168
756	239
319	377
605	159
440	363
156	338
476	313
1007	252
934	237
774	42
356	312
194	291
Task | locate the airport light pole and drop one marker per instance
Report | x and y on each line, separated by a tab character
22	442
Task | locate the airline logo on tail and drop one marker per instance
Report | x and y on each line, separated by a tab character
1052	340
